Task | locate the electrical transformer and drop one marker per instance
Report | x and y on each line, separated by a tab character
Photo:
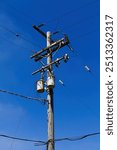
50	82
40	86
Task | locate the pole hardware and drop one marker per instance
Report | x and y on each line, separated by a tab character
56	62
40	31
43	52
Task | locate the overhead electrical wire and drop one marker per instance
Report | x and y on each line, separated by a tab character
71	11
67	13
19	35
22	96
16	34
76	53
86	34
70	27
76	138
12	42
56	18
72	138
22	139
80	36
78	22
40	143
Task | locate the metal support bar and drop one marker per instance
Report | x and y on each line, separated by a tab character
63	41
40	31
53	50
65	57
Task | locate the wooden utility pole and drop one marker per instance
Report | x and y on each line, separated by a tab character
50	145
47	52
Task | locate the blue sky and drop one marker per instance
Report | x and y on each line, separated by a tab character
77	104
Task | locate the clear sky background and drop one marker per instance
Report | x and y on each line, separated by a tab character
77	103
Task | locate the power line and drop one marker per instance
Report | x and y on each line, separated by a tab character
70	27
40	143
22	139
86	34
76	138
56	18
80	22
80	36
12	42
18	35
73	138
22	96
71	11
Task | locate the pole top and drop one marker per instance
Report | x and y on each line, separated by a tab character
48	33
